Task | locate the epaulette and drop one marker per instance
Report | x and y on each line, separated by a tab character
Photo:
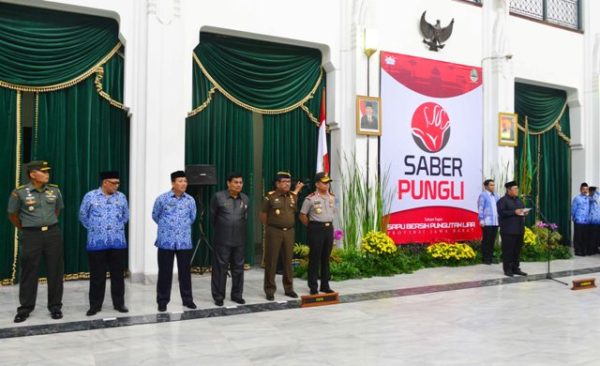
53	185
270	193
21	187
310	195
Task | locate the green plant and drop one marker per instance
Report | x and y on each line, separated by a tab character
301	250
377	243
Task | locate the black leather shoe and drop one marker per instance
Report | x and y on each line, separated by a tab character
291	294
190	305
21	317
519	272
508	273
328	291
219	302
56	314
270	297
313	292
92	311
162	307
122	309
238	300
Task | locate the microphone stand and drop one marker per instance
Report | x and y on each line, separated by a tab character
201	236
548	254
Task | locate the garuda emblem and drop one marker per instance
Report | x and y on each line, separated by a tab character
435	35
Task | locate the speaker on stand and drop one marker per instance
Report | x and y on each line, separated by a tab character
199	176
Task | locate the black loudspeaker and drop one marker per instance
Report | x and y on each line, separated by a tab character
201	175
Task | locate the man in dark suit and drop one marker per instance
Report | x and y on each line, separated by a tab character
512	212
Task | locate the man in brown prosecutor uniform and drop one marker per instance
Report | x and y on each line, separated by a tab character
34	209
278	214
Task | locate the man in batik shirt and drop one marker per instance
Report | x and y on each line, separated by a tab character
104	213
174	212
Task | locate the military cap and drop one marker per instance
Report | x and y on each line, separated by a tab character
40	165
282	175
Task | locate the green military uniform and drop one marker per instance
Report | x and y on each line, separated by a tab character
279	236
320	210
40	236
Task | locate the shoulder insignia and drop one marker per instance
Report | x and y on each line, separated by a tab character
310	195
52	185
15	194
20	187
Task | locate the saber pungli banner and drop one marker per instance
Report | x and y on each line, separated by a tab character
432	145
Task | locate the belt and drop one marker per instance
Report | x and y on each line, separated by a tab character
281	228
39	228
320	223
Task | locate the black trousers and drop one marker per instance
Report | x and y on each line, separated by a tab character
225	257
320	241
34	245
487	243
511	251
100	261
594	239
165	275
581	238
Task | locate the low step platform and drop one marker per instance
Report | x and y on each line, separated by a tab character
584	283
320	300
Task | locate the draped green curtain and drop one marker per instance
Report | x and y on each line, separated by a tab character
81	127
8	165
234	77
290	141
80	134
46	47
263	75
549	149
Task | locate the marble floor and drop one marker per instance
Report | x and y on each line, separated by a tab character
527	321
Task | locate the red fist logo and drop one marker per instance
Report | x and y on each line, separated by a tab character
430	127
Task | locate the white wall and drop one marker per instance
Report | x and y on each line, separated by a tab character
160	35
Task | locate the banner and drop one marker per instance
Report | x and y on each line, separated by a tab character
432	145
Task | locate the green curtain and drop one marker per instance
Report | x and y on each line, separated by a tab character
8	159
542	106
290	144
222	136
261	74
80	134
43	47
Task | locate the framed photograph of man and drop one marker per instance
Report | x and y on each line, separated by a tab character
368	115
507	129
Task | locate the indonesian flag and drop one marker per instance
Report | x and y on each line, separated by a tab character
322	155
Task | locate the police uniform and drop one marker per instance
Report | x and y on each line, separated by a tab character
280	209
320	210
40	236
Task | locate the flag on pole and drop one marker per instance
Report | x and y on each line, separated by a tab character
322	155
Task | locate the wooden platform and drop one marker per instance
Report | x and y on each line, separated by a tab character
320	300
584	283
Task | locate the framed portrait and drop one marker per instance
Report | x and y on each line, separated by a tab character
507	129
368	115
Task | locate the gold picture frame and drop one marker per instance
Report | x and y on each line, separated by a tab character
508	129
368	115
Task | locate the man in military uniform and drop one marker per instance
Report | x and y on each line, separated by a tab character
511	212
317	213
34	209
228	216
278	214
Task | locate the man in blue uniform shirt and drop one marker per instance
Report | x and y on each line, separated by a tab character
580	210
104	213
594	242
174	212
488	219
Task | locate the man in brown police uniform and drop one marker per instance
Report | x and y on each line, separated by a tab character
317	213
34	209
278	214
